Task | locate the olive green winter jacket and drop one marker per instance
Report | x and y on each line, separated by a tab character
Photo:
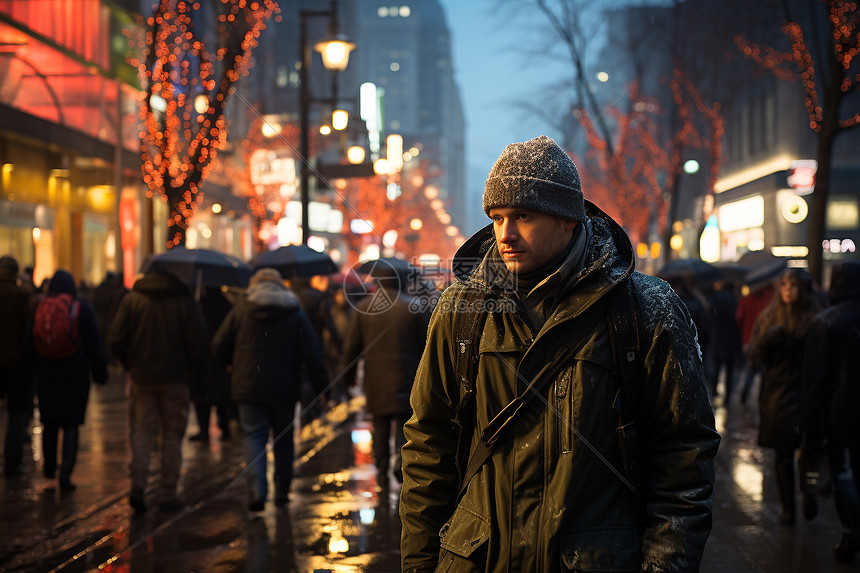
545	501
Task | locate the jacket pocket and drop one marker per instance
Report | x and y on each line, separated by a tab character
464	533
616	550
563	411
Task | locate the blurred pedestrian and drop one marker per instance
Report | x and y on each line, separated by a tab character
388	332
832	398
777	346
725	343
315	300
159	336
748	311
106	298
266	339
62	349
699	307
216	390
332	342
15	308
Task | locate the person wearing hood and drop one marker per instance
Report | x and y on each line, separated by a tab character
159	336
387	331
552	492
266	339
831	398
62	377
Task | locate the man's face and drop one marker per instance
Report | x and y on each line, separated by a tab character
528	240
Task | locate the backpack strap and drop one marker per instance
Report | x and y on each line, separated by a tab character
624	322
468	328
496	428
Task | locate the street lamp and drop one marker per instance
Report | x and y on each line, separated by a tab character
335	52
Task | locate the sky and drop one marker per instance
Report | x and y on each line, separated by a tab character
492	75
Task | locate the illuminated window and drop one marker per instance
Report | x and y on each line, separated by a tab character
744	214
843	214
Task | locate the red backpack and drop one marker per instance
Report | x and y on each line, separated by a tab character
55	328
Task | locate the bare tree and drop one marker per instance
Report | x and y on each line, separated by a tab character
828	71
186	85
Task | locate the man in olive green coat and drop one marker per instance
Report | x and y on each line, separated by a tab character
553	494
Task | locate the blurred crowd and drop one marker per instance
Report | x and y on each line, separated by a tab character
795	343
254	357
257	356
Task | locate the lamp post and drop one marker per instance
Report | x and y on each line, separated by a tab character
335	53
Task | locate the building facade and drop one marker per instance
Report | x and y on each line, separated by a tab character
405	49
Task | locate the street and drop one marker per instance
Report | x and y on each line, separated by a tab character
337	520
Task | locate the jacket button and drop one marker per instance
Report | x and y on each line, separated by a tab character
444	530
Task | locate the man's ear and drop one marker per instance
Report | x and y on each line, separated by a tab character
569	226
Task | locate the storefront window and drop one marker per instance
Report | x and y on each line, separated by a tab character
99	248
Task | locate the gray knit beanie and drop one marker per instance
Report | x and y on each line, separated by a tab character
536	175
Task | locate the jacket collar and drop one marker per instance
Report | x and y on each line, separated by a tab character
609	258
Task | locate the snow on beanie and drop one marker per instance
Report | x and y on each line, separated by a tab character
536	175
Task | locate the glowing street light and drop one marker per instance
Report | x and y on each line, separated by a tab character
335	54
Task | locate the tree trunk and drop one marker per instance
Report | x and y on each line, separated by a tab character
818	210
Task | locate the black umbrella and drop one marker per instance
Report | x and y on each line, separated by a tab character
763	267
695	270
383	267
296	261
199	267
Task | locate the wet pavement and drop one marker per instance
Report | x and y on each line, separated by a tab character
338	519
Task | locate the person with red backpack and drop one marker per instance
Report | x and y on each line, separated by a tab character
62	349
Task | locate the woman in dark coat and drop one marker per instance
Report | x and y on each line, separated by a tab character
777	346
63	384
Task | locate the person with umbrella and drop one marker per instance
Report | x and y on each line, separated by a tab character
266	339
159	337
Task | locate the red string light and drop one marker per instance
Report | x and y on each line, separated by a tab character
844	18
179	144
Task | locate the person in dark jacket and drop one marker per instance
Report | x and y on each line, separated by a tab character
389	333
831	390
777	346
159	336
63	384
266	338
725	342
216	391
552	496
106	298
316	301
748	311
15	307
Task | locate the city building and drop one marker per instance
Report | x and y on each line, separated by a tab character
405	49
763	192
71	192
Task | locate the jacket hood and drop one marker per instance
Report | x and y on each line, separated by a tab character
63	283
269	300
609	255
845	284
159	285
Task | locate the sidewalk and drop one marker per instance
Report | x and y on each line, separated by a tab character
335	520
